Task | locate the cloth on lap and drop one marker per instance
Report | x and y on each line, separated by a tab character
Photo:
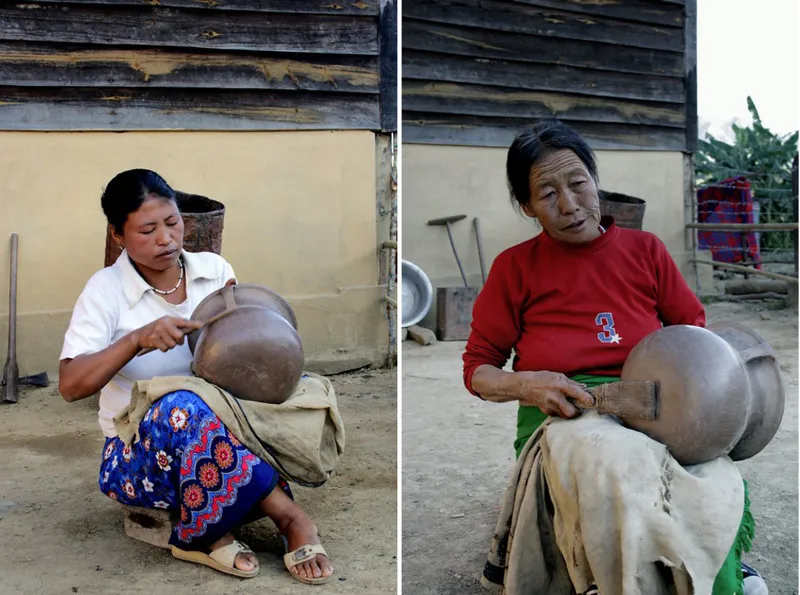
302	437
614	504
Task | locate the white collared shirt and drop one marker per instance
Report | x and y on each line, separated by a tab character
116	301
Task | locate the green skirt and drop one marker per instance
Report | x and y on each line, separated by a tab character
729	578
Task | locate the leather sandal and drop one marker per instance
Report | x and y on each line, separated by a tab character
221	559
303	554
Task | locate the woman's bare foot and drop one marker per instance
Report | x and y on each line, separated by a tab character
299	530
246	562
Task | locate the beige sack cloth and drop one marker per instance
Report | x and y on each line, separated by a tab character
614	503
302	437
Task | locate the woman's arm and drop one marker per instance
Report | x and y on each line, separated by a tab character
548	391
84	375
677	303
496	328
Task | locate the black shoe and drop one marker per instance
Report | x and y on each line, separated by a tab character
753	583
591	591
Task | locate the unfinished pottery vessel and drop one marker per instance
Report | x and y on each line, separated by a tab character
720	391
252	348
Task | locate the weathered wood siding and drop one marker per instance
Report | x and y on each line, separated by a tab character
197	65
622	72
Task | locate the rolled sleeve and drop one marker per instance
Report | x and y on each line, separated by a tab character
496	319
93	323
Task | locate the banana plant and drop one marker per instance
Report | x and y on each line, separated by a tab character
765	159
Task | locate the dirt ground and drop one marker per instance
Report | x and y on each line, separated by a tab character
61	535
458	455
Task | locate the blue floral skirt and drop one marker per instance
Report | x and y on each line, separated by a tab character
187	461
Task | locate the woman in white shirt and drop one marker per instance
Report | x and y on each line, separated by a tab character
185	458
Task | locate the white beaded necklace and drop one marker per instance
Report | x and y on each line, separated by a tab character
174	289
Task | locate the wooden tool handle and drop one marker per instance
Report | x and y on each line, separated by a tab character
636	399
12	300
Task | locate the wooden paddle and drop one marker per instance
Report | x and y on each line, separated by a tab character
635	399
211	320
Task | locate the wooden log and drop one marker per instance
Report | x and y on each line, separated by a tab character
747	270
748	297
541	77
313	34
359	7
421	335
502	45
134	109
752	286
482	100
532	20
37	65
744	226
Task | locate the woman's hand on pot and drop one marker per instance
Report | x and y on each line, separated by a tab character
550	391
165	333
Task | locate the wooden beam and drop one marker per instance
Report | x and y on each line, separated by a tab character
519	18
136	109
440	129
690	74
38	65
539	77
643	11
388	65
480	100
502	45
357	7
746	270
314	34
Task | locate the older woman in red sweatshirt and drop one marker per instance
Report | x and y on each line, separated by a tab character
572	302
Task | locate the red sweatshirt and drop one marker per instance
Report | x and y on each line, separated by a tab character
577	308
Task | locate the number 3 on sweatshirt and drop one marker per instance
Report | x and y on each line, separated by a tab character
609	334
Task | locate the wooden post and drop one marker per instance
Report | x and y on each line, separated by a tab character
690	72
387	48
794	210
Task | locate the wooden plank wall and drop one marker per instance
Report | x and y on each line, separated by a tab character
622	72
196	65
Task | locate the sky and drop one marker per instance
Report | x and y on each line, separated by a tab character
747	47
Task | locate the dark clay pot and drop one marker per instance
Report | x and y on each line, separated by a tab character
720	391
767	393
253	351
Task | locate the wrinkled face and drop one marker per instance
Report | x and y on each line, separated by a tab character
153	235
564	198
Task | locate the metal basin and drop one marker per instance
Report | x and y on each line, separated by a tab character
417	294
